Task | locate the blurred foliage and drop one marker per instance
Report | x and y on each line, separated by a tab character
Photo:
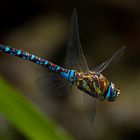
25	117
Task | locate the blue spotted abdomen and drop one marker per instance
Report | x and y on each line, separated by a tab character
66	73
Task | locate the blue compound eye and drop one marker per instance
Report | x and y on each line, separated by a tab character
111	93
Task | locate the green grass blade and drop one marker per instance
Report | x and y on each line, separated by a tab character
21	113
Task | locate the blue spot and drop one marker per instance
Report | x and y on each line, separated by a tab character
7	49
72	75
53	68
41	63
37	62
18	52
65	74
46	62
32	57
108	94
58	68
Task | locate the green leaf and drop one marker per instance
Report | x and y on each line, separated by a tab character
25	116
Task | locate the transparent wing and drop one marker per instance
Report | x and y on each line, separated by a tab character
53	85
111	61
75	60
74	55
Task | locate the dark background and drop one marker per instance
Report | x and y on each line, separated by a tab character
42	28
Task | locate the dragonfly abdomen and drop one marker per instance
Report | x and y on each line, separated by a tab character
66	73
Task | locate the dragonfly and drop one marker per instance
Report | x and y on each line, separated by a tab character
91	82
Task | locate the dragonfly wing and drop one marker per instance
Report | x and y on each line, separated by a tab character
90	105
93	110
75	59
100	67
111	61
53	85
74	55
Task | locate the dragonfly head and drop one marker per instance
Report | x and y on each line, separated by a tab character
112	92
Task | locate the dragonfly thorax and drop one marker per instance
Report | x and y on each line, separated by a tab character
92	83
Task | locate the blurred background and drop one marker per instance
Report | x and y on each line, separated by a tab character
42	27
